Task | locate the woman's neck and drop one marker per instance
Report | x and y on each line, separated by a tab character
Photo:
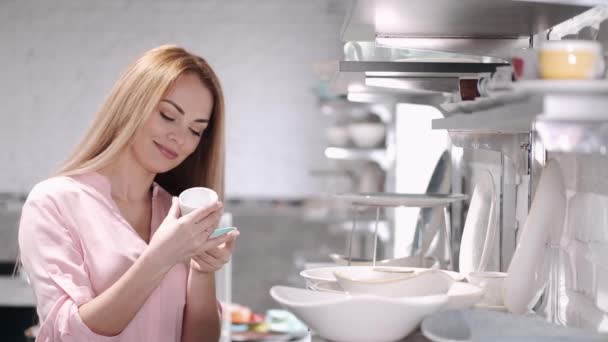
130	181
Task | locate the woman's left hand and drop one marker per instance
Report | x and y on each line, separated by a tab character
213	259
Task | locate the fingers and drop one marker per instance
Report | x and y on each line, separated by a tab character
201	265
222	255
203	229
201	213
216	243
211	220
174	211
209	262
232	242
213	255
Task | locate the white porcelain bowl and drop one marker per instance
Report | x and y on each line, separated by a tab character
411	261
195	198
463	296
328	286
460	295
318	274
345	318
337	136
367	134
382	283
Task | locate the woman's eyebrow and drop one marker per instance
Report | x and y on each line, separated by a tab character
181	111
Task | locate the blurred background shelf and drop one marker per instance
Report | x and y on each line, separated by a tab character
574	136
511	118
378	155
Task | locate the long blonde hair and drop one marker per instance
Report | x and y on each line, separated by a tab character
130	102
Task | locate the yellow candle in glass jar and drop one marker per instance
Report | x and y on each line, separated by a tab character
570	59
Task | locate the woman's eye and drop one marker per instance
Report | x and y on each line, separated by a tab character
198	134
166	117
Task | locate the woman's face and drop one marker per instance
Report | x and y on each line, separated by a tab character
174	129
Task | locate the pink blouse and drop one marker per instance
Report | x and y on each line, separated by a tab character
75	244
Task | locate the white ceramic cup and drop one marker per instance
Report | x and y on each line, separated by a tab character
492	284
525	64
194	198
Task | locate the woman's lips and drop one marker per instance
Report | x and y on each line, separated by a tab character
166	151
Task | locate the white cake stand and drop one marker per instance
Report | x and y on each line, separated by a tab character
387	199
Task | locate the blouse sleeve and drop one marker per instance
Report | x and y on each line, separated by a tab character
53	261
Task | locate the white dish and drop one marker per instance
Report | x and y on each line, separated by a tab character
528	271
491	326
388	284
367	134
492	284
387	199
479	234
327	286
341	317
411	261
315	275
194	198
507	96
567	87
463	296
460	295
449	107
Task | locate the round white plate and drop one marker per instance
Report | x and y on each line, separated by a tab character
316	275
483	325
479	234
528	271
387	199
587	87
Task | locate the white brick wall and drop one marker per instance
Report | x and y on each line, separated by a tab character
58	60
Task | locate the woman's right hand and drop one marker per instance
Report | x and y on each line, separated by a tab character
180	238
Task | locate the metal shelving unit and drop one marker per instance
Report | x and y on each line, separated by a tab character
511	118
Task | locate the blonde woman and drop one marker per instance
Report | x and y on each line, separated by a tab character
107	252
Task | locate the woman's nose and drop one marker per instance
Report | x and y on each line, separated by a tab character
177	137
